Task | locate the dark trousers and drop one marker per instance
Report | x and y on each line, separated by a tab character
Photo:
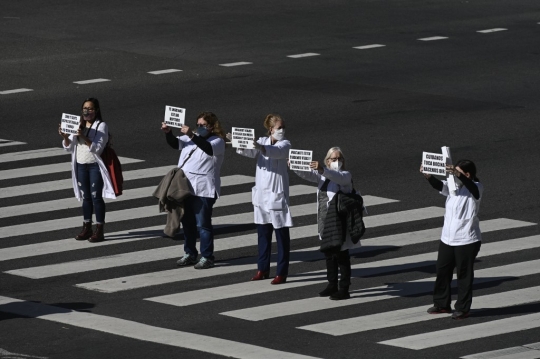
462	258
198	215
91	187
283	239
342	261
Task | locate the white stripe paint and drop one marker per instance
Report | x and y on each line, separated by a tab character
365	47
160	72
465	333
368	245
93	81
398	289
175	275
307	54
12	143
143	332
406	316
236	64
32	154
491	30
433	38
130	258
47	169
528	351
151	211
8	92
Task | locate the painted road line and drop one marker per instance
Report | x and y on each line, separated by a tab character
528	351
160	72
48	169
59	185
433	38
151	255
151	211
140	331
93	81
368	245
365	47
170	276
398	289
465	333
32	154
414	315
492	30
307	54
144	192
236	64
8	92
12	143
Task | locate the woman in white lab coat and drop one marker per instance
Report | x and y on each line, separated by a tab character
271	197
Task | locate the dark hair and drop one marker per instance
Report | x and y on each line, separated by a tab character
96	106
213	121
468	167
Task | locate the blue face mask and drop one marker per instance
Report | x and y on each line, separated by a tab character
202	131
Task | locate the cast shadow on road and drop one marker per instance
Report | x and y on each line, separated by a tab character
12	309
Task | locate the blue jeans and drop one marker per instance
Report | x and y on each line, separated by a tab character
198	215
264	232
91	187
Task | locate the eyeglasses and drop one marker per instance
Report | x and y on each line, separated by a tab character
334	159
88	109
201	125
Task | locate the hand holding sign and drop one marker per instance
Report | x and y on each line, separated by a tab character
69	124
174	116
300	160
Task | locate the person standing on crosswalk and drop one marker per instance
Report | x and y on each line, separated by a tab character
91	180
331	179
201	157
460	239
271	198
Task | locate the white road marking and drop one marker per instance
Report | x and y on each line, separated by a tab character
32	154
365	47
236	64
528	351
492	30
371	244
307	54
93	81
160	72
433	38
143	332
12	143
8	92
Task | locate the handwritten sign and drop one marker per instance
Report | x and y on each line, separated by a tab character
175	116
299	159
243	137
70	123
434	163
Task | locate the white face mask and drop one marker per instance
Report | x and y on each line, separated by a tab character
336	166
279	134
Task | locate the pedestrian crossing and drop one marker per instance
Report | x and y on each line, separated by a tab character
301	312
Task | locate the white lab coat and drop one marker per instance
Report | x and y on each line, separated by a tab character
270	195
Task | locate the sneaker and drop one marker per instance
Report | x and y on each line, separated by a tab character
204	263
460	315
438	310
186	260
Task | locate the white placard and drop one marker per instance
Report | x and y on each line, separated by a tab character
243	137
452	184
299	160
434	163
175	116
70	123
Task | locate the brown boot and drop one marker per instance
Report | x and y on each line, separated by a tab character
86	232
98	235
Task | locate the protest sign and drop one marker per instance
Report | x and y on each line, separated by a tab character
70	123
452	183
299	160
434	164
243	137
175	116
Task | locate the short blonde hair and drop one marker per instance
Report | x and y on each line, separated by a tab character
270	122
329	153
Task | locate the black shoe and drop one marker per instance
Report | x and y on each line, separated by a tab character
329	290
341	294
460	315
439	310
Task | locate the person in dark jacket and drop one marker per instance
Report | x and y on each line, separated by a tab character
331	179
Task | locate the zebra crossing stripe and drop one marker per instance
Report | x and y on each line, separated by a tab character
130	258
143	332
418	314
304	279
47	169
417	287
528	351
152	211
175	275
32	154
5	143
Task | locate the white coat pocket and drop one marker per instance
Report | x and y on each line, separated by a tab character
267	200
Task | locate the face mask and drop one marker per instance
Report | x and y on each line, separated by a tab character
279	134
202	131
336	166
